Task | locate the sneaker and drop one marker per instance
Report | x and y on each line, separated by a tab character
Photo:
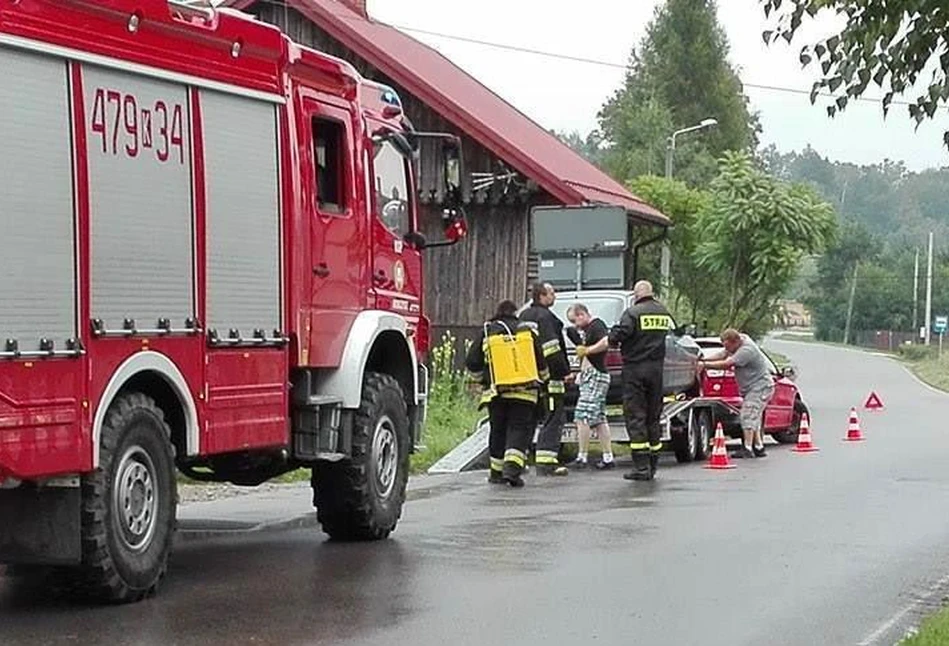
603	466
551	470
743	452
578	465
760	452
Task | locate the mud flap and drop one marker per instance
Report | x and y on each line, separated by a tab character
40	525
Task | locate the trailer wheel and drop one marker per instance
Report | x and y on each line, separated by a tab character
361	498
702	421
129	503
685	444
789	436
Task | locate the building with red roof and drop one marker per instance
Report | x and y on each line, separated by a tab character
511	162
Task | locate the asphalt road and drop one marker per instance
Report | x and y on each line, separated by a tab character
837	547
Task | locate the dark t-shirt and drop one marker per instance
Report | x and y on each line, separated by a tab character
593	333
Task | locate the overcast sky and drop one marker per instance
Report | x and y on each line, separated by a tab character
566	95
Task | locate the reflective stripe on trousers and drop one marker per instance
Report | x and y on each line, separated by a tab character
515	456
545	457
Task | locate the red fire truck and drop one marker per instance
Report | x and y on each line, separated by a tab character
211	261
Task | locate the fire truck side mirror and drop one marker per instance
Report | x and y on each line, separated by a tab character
397	139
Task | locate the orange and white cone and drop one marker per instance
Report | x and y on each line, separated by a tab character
804	442
719	459
853	431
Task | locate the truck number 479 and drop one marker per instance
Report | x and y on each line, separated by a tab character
126	128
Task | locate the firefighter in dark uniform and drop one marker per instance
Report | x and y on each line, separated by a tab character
641	335
510	410
553	417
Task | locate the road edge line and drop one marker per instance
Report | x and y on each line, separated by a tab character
921	600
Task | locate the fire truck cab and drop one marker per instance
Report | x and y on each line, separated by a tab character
212	262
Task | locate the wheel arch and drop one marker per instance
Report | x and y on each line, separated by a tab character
377	342
154	374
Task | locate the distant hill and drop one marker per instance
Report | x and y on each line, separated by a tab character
898	206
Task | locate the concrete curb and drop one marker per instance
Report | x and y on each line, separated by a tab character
218	526
302	521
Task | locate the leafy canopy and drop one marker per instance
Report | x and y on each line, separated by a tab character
889	44
756	231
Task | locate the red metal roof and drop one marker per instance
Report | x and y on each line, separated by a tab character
479	112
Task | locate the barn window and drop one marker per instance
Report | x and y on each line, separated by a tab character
329	162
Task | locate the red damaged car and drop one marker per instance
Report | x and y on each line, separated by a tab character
782	419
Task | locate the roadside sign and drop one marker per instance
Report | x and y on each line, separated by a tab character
941	324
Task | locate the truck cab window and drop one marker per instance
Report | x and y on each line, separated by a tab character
328	158
391	189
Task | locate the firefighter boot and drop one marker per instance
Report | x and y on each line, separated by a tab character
496	477
641	467
512	475
653	464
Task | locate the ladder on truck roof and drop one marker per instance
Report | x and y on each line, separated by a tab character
472	453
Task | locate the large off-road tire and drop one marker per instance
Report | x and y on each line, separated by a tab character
789	436
361	498
129	503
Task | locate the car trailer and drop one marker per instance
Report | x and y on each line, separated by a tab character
688	426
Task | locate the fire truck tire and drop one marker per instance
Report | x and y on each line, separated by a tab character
129	503
361	498
789	436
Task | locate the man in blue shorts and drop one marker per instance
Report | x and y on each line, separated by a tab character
593	382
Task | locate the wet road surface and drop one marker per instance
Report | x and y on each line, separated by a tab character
794	549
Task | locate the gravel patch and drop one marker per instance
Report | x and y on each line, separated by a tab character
192	493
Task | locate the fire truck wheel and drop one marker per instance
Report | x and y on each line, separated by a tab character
129	503
361	498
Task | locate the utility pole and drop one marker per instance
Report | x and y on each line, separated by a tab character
853	292
916	294
927	323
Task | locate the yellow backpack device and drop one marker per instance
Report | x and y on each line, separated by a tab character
511	357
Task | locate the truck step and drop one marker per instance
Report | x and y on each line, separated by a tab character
316	428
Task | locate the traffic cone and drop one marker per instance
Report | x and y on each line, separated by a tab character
804	442
719	459
853	431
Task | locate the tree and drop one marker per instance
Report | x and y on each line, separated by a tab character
682	204
887	43
758	229
636	133
677	77
589	147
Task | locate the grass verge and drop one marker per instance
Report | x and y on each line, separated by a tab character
932	370
452	411
933	632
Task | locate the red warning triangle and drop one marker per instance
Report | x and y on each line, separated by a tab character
873	402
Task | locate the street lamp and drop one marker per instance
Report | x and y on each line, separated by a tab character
670	149
666	259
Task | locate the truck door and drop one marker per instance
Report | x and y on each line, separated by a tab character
338	244
396	264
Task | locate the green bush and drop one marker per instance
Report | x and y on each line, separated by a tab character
916	352
452	411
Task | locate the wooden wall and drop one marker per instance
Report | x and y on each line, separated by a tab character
463	282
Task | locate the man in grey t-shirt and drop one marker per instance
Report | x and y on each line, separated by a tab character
753	373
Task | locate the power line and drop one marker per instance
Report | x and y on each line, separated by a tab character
573	58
